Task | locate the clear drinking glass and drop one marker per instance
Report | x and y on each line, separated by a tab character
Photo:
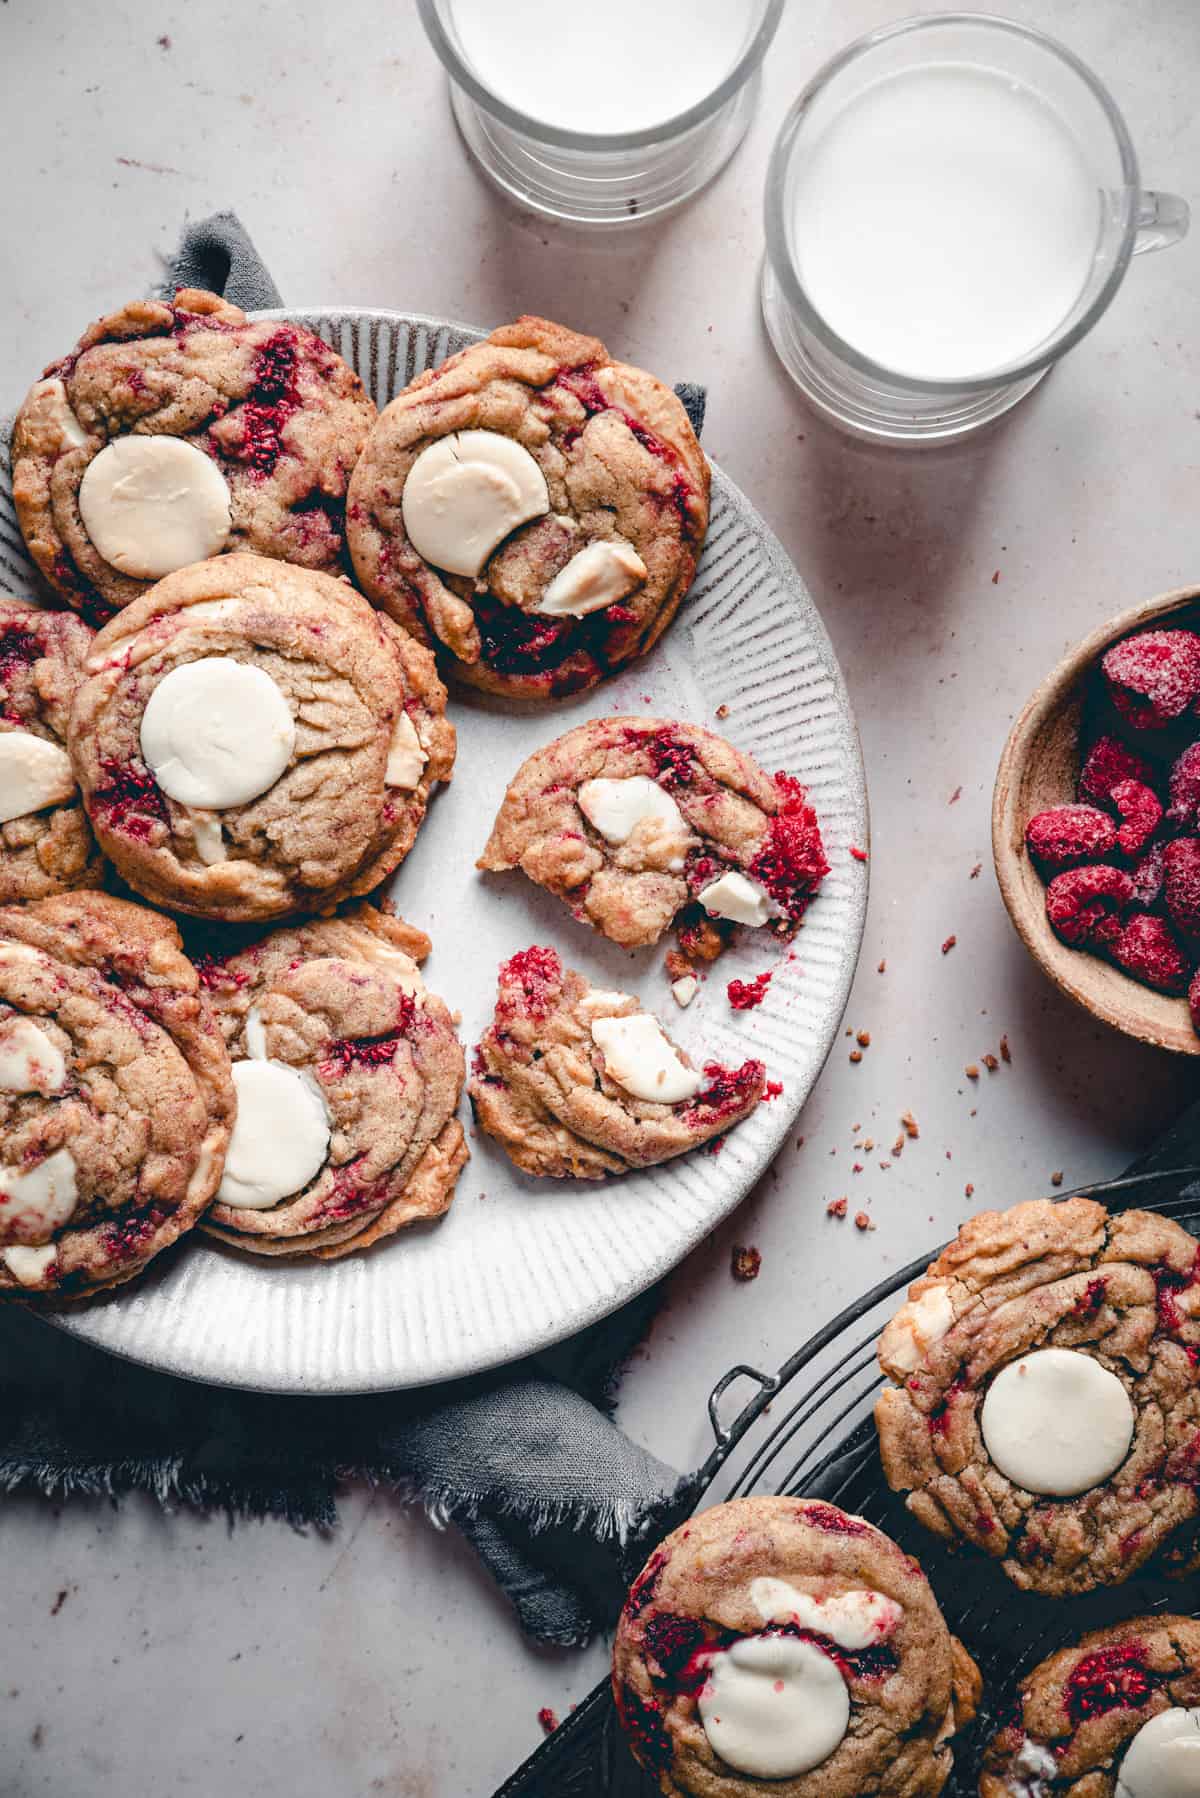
615	147
892	88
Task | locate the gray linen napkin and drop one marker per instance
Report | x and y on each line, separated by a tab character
525	1461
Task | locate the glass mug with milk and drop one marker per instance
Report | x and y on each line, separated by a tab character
602	115
951	204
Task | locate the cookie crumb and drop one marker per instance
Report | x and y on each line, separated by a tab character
863	1039
1005	1051
990	1063
862	1221
910	1126
996	578
722	710
977	870
868	1144
837	1207
744	1262
955	796
969	1190
882	968
1056	1178
949	944
678	966
971	1071
548	1720
856	1055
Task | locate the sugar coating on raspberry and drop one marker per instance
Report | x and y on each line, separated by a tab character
1147	874
791	863
1153	678
1082	903
1181	884
1067	835
1111	1679
1194	999
1183	790
1148	948
1109	761
1140	812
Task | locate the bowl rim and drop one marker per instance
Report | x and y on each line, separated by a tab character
1057	960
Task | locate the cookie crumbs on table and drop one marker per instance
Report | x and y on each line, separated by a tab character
745	1262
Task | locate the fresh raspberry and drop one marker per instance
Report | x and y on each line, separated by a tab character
1082	903
1109	761
1153	678
1184	790
1066	835
1181	884
1138	808
1148	877
1148	949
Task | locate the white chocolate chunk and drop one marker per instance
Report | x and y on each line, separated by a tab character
406	758
29	1061
154	504
280	1139
210	839
256	1035
774	1706
638	1057
466	493
597	576
735	897
684	990
1056	1422
916	1328
49	419
217	732
29	1267
854	1619
34	773
616	807
1163	1759
1035	1767
43	1197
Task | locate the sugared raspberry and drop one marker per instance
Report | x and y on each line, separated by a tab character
1082	903
1148	877
1183	809
1181	884
1194	999
1153	678
1148	949
1140	812
1109	761
1066	835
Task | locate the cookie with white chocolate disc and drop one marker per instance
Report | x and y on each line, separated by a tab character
632	820
782	1646
532	509
256	740
348	1074
1117	1715
1045	1403
576	1083
46	844
176	430
116	1101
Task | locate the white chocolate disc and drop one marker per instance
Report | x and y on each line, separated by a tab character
916	1328
774	1706
466	493
406	759
43	1197
154	504
616	807
34	773
595	577
217	732
1056	1422
638	1057
29	1061
1163	1759
280	1139
29	1267
735	897
854	1619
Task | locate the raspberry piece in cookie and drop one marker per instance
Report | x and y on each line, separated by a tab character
348	1075
1148	948
256	740
1117	1715
175	431
576	1083
116	1102
778	1644
632	820
1068	834
1108	762
1082	904
532	509
46	844
1045	1403
1152	679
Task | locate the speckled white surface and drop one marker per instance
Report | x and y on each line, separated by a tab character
183	1659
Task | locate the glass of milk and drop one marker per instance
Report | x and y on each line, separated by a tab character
602	114
951	205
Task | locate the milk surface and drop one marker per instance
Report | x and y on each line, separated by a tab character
944	223
624	65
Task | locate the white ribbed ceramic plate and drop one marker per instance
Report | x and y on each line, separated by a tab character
519	1263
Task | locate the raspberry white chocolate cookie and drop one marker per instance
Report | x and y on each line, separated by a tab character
1115	1716
256	740
632	820
46	844
348	1075
176	430
532	509
577	1083
116	1101
1046	1403
780	1645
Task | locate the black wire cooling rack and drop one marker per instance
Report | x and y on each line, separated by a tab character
823	1445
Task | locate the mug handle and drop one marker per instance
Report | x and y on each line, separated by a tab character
1162	220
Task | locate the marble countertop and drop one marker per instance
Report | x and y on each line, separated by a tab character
148	1652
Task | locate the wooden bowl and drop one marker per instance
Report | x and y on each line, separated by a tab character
1039	768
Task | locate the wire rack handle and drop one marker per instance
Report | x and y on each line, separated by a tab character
767	1383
